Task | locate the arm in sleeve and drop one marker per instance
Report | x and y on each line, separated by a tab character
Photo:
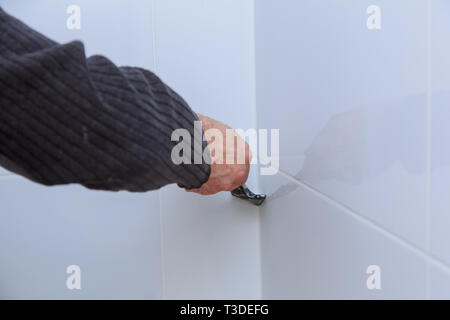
65	118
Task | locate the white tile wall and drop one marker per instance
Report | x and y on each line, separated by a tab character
363	156
439	282
210	246
113	237
4	172
313	248
204	50
363	119
440	131
120	30
350	102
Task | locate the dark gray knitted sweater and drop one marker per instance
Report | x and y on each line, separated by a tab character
65	118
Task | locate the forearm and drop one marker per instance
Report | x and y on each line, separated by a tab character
65	118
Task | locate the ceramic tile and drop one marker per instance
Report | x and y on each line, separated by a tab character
314	249
113	237
350	103
440	132
210	246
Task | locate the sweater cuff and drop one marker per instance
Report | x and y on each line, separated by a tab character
203	169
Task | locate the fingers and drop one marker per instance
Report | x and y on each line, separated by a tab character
204	190
224	176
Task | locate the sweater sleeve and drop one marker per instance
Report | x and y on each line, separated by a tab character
65	118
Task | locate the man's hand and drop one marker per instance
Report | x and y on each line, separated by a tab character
224	176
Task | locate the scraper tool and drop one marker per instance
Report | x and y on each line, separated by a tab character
243	192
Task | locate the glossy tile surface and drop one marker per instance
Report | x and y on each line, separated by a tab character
350	102
313	249
204	50
440	131
120	30
210	246
439	282
113	237
351	106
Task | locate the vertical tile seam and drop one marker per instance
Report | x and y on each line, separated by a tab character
154	35
161	223
254	113
428	145
255	125
428	148
162	255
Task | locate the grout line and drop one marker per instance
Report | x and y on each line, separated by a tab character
411	246
261	291
428	146
154	35
161	232
163	273
254	113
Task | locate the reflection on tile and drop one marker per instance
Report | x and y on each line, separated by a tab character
351	109
210	246
312	249
440	130
113	237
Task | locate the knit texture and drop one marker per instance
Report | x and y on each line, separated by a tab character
65	118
